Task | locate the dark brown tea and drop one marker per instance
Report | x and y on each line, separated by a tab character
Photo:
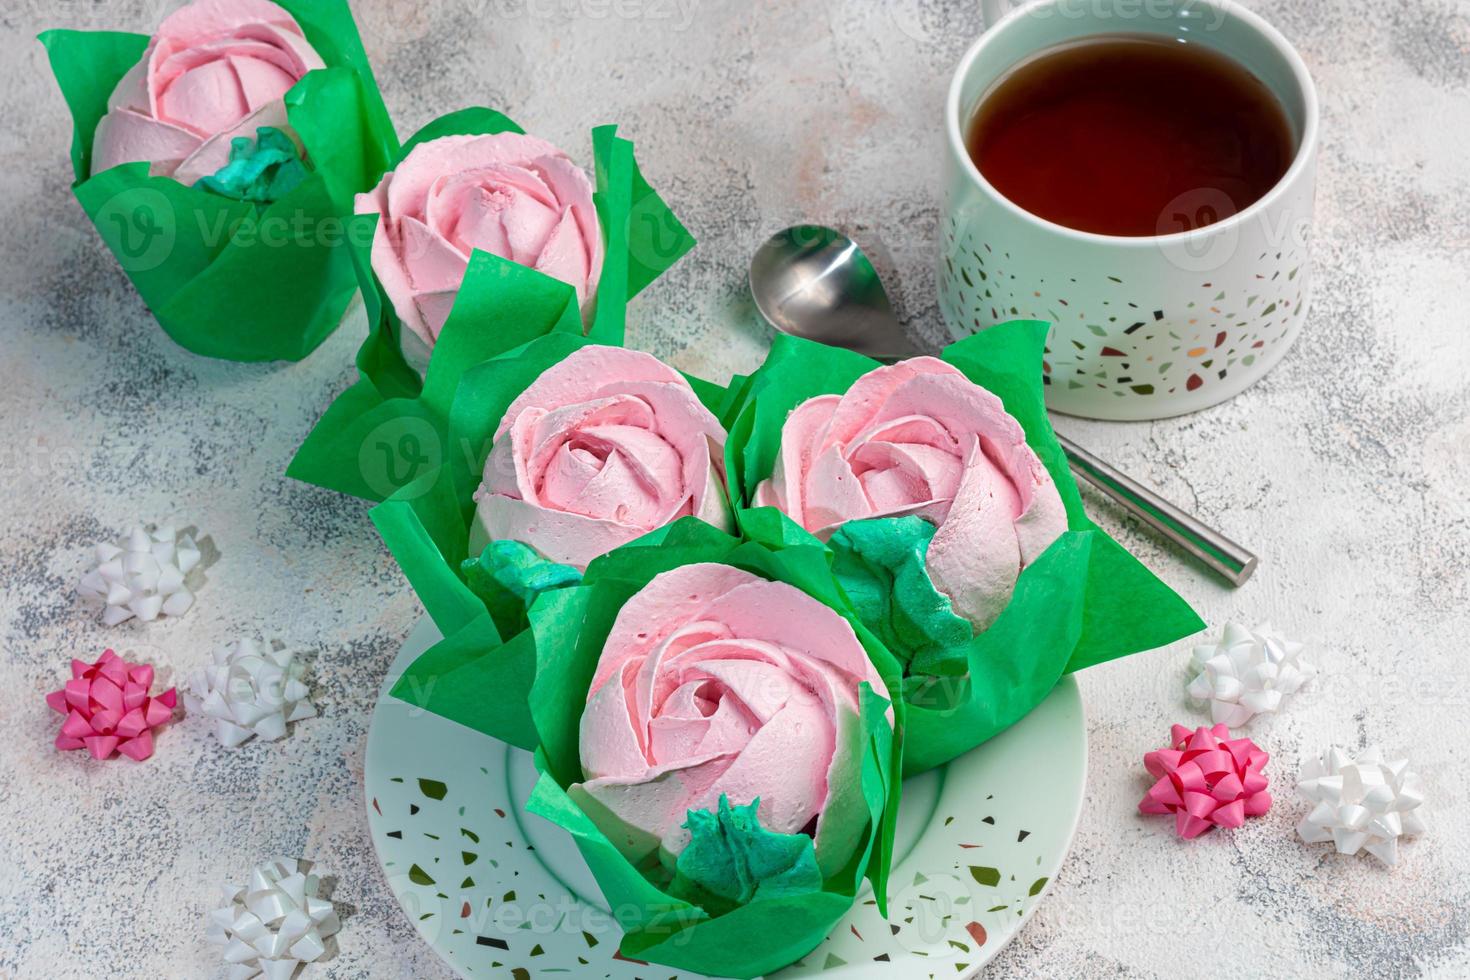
1131	135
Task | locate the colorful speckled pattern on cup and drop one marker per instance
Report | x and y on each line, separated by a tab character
500	893
1113	340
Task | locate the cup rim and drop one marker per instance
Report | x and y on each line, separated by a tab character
1300	162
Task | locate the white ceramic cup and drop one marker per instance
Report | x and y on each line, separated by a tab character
1143	327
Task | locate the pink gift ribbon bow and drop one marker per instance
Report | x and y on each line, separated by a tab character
1207	779
108	709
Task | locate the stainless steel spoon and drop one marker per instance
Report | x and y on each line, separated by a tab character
815	282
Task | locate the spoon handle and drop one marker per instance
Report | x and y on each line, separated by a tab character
1223	556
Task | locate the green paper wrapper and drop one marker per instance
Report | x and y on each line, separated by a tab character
227	278
771	930
426	525
1085	601
391	426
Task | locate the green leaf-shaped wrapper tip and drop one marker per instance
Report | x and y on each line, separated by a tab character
223	277
426	525
390	426
661	924
1085	601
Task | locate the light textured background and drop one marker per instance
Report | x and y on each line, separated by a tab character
1346	469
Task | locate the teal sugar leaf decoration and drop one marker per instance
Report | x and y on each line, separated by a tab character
880	563
508	576
261	170
732	861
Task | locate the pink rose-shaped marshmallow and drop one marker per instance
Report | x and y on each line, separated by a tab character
603	447
716	681
215	70
509	194
918	437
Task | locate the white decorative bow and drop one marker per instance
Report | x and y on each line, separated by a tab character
1249	672
274	924
248	692
1361	804
143	575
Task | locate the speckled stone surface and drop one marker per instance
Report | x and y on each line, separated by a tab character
1347	469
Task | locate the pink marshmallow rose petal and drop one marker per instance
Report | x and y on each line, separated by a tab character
108	708
714	681
508	194
602	448
919	438
215	69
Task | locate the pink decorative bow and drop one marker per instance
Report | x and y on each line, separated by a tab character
1207	779
108	709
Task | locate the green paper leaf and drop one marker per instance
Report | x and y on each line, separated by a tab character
655	237
1013	665
88	65
452	677
569	632
335	113
612	198
422	527
642	907
500	306
472	121
751	941
332	31
1084	601
1127	608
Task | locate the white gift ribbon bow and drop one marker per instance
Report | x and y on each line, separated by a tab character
143	575
1247	673
249	692
1363	803
274	924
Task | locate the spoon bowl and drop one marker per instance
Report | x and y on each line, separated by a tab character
815	282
